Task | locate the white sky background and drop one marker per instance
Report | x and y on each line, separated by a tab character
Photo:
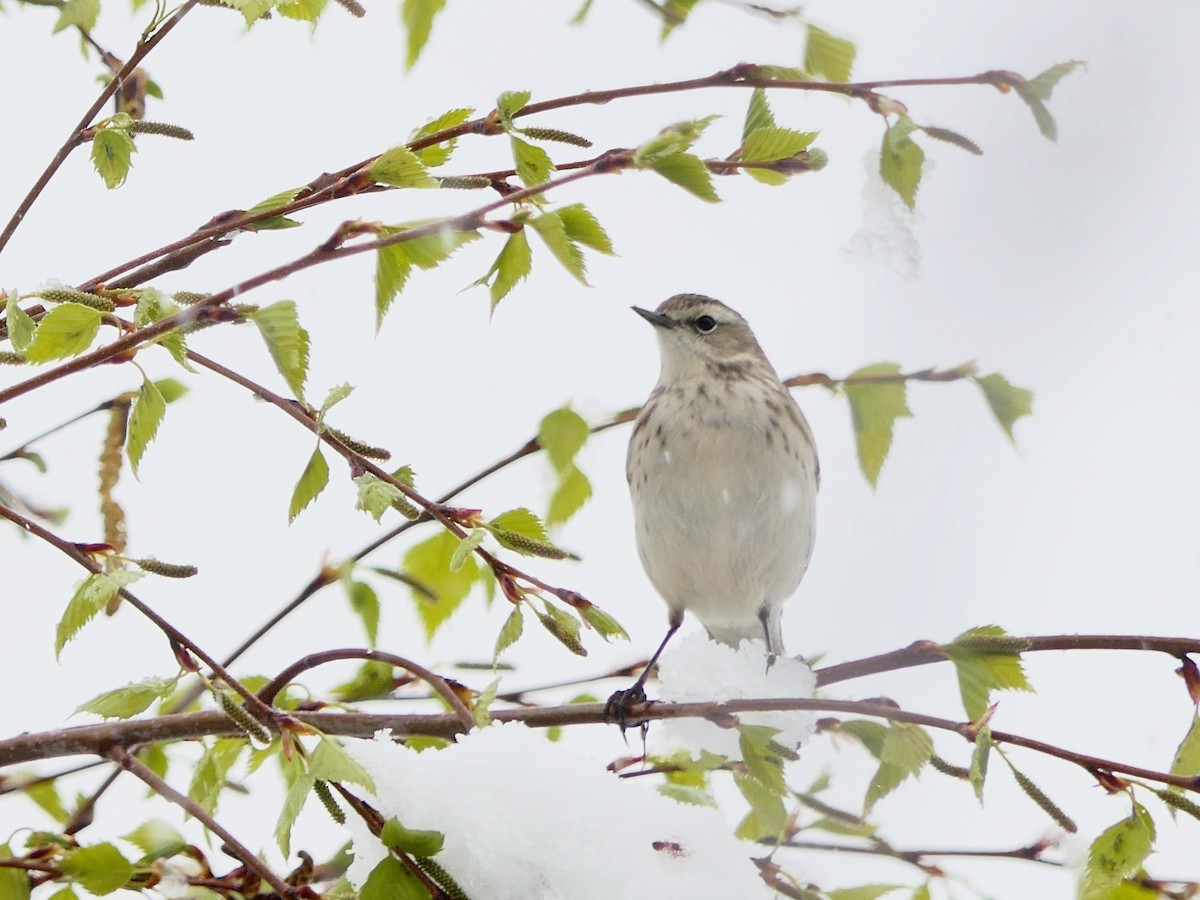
1068	267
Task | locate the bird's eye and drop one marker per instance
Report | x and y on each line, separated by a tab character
705	324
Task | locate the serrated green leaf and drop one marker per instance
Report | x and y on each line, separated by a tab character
438	154
561	435
394	262
582	228
14	883
828	56
1118	853
293	802
689	172
365	604
510	632
147	414
509	104
1043	84
1007	403
286	340
864	891
606	626
375	496
769	144
870	734
671	141
901	160
513	264
759	754
429	563
466	547
312	481
90	597
981	671
418	16
391	880
112	155
1187	755
400	167
767	818
99	868
874	409
331	762
1041	113
156	839
551	230
20	325
979	761
693	796
45	795
66	330
533	164
758	114
906	749
123	702
521	521
170	389
372	680
211	771
573	491
302	10
79	13
274	223
416	841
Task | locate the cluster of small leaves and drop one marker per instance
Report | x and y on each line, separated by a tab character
760	779
878	397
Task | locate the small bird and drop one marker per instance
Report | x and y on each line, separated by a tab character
723	473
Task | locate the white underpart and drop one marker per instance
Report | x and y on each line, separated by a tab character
725	495
789	496
666	456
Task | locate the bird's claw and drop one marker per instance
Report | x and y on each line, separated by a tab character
616	710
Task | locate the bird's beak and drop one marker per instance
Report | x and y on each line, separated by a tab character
658	320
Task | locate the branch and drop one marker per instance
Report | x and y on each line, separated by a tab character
73	141
100	739
135	766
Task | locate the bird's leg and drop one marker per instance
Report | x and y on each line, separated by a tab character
764	616
616	710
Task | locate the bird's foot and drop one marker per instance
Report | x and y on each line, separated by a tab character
616	710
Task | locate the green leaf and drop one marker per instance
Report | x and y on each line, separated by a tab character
418	16
312	481
921	893
689	172
149	407
874	409
979	761
769	144
66	330
156	839
1187	755
372	680
293	803
828	56
906	749
759	114
767	818
417	841
582	228
170	389
1042	85
533	164
863	891
209	775
466	547
438	154
761	755
562	434
375	496
671	141
429	563
521	521
1008	403
20	324
606	626
283	198
90	597
45	795
14	883
112	152
551	230
512	265
400	167
287	342
100	868
394	262
365	604
901	159
509	104
684	793
130	700
302	10
573	491
870	734
510	632
1118	853
391	880
984	668
78	13
331	762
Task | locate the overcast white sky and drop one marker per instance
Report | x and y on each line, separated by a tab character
1068	267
